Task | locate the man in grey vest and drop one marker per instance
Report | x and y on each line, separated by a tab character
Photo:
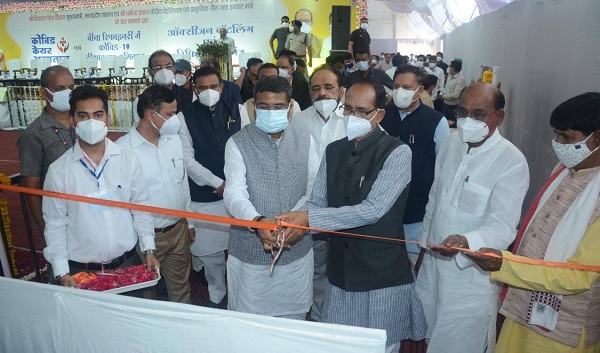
270	168
361	188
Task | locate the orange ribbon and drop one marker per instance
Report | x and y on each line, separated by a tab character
143	208
269	226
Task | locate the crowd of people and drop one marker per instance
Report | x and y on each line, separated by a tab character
363	146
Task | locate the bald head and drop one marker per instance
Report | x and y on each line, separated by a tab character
487	91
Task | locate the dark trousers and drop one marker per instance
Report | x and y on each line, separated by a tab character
449	114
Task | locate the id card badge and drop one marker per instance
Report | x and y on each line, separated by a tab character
102	194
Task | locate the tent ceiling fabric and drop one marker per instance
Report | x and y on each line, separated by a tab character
439	16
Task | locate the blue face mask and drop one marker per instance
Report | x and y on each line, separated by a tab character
272	121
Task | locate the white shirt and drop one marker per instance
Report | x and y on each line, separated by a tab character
230	42
199	174
237	199
454	87
478	194
391	72
164	172
439	73
323	132
384	66
84	232
442	131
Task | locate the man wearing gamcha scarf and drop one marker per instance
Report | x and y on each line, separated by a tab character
557	309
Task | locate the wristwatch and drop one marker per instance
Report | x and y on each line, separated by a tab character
258	219
59	276
151	251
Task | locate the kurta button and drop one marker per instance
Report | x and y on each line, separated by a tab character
218	140
353	153
346	246
558	197
534	235
347	199
348	174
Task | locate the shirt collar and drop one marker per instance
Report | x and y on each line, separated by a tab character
404	114
135	138
47	121
111	150
363	144
487	145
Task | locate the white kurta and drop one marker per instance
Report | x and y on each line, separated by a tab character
478	194
323	132
210	237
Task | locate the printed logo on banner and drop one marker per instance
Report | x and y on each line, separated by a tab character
63	45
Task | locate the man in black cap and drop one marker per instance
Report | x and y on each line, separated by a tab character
183	70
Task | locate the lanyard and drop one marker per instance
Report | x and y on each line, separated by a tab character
93	172
60	136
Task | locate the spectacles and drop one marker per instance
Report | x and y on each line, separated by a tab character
476	114
356	112
160	67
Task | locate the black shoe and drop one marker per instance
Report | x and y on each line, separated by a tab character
212	304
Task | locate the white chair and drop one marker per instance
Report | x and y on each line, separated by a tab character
74	65
42	64
243	57
107	64
63	62
14	66
140	62
120	65
90	65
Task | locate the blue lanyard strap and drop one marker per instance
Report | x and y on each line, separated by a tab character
92	172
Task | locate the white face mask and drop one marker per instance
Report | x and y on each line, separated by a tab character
284	73
404	97
358	127
91	131
448	70
432	65
164	77
364	26
285	25
471	130
571	154
325	106
180	79
272	121
374	62
209	97
169	127
291	28
438	58
60	100
363	65
306	28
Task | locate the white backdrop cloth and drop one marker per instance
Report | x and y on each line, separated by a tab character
45	318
